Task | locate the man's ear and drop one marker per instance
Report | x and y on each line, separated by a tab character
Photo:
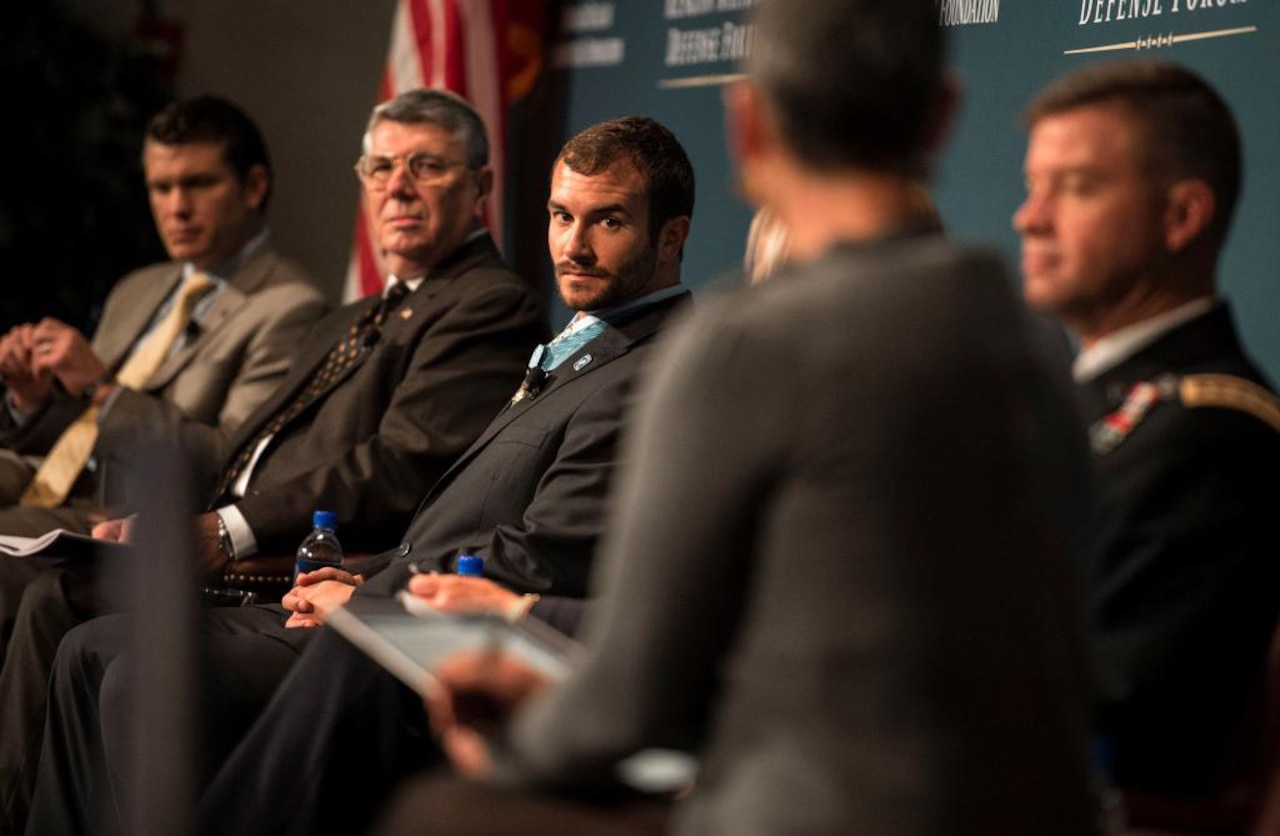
672	237
254	189
484	185
742	117
1188	213
751	132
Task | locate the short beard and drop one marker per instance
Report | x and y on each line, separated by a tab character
631	279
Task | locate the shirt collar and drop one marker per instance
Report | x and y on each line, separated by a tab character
392	281
585	318
1118	346
478	232
224	270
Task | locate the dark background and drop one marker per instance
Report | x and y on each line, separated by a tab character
73	213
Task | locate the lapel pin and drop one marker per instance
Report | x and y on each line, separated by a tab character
405	313
582	362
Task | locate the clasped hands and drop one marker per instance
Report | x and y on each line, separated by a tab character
317	593
32	357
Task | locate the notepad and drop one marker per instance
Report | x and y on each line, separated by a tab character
60	546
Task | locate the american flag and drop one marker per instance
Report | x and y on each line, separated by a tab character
487	51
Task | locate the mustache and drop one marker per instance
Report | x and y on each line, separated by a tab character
579	270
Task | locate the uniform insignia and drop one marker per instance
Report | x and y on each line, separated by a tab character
1223	391
1230	392
1106	434
581	362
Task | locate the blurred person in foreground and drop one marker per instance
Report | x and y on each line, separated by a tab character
766	249
855	605
768	243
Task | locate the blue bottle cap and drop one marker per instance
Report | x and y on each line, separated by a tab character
324	519
471	566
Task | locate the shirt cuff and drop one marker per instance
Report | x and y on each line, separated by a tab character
19	416
238	528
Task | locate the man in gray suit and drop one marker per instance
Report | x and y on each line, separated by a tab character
195	344
186	349
838	567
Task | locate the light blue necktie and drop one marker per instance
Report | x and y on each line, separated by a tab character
546	357
566	345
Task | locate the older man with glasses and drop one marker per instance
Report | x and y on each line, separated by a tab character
379	401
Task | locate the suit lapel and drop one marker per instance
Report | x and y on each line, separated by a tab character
419	304
301	373
609	346
406	318
135	316
597	354
229	302
414	306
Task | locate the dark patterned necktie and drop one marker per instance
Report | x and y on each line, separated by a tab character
360	339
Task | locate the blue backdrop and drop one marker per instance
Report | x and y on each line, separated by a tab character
669	58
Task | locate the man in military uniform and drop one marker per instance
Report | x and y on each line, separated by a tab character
1132	174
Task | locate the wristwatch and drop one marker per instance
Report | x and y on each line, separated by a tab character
225	544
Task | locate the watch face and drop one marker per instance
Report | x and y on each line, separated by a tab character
224	540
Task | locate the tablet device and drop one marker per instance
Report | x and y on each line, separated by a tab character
410	640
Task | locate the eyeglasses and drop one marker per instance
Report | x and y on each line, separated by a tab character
426	169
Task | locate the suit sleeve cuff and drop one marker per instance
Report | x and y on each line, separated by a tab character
19	416
242	537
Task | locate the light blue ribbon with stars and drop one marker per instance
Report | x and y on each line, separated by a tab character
549	356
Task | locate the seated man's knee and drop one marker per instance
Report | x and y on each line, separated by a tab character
16	574
43	590
89	648
115	707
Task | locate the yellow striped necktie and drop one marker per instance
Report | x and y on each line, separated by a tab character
58	473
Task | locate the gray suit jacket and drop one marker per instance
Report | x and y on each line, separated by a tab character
204	392
837	566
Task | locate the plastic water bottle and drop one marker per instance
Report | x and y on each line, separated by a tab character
470	566
320	548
